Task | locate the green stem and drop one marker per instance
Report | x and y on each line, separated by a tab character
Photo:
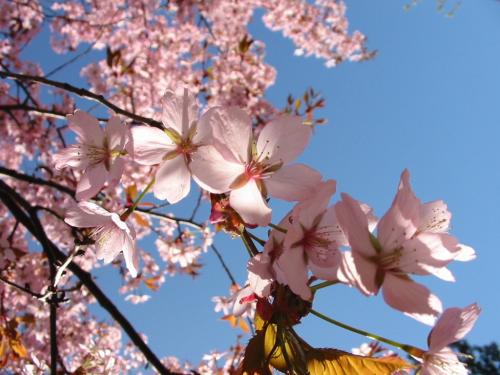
278	228
254	237
247	240
407	348
138	200
323	284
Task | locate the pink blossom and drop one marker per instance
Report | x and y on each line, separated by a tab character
411	239
173	147
111	234
452	326
249	168
98	153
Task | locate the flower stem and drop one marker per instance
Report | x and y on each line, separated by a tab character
138	200
247	240
407	348
258	239
278	228
323	284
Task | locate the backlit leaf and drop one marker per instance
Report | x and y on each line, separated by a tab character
337	362
254	361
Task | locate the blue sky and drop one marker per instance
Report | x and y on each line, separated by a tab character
428	102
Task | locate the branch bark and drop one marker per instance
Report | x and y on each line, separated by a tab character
83	93
24	212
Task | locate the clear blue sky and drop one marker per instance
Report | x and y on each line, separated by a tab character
428	102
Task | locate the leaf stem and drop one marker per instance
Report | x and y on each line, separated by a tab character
323	284
138	200
247	240
407	348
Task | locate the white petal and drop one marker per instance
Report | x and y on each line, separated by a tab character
150	145
116	133
179	111
212	172
173	180
283	139
294	182
91	181
86	127
232	132
250	205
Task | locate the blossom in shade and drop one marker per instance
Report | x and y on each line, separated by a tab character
110	233
251	169
411	238
452	326
172	148
98	153
311	243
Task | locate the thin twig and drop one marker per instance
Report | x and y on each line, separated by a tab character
36	180
83	93
224	265
15	203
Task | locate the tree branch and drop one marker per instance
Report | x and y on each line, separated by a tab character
36	180
15	203
83	93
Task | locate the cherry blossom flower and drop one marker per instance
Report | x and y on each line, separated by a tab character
173	147
251	169
411	239
111	234
98	155
452	326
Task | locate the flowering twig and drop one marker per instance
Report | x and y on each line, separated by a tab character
83	93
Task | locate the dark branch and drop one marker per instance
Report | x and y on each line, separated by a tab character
15	203
36	180
83	93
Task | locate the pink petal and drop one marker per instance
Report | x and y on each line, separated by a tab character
116	133
294	182
306	212
324	263
91	181
179	111
452	326
361	272
260	277
115	172
87	215
250	204
212	172
400	222
294	269
232	132
173	180
432	249
86	127
150	145
72	156
434	217
283	139
354	223
413	299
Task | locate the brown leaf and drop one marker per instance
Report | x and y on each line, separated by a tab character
151	283
18	348
141	220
